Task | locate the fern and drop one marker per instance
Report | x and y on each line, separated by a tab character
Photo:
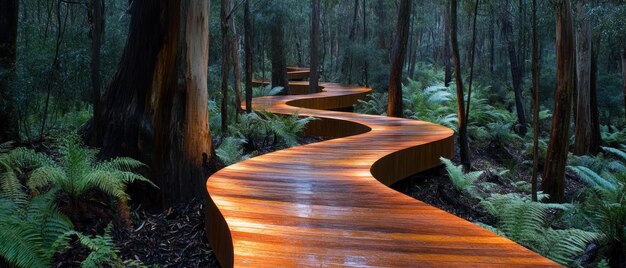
256	128
266	91
463	182
5	147
230	151
527	223
375	104
616	152
104	252
78	172
29	231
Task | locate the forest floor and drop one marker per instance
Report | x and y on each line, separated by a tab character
175	237
435	188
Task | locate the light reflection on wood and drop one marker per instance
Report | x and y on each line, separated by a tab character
328	204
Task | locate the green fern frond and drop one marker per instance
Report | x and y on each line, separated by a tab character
121	163
563	246
5	147
463	182
28	233
526	222
616	152
42	176
593	179
230	151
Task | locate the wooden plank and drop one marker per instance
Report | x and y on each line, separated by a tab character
327	203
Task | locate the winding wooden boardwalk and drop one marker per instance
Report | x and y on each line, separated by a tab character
327	204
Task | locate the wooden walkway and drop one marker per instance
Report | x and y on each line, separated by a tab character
328	204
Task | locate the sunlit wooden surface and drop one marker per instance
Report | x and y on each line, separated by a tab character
327	204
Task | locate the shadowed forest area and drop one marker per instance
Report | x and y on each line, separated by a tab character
114	113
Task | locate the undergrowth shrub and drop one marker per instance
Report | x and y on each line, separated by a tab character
463	182
529	223
257	131
603	203
30	228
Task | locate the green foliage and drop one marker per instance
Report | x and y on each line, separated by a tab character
30	228
230	151
613	136
462	181
375	104
78	172
103	253
527	223
433	104
266	91
259	129
604	202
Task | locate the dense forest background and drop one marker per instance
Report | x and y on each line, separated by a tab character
51	78
89	70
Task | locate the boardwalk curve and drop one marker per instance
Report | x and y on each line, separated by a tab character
328	204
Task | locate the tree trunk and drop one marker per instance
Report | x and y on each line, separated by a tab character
624	74
596	137
582	140
492	41
9	11
365	71
226	56
394	103
412	54
97	31
463	139
279	62
516	71
536	86
346	64
147	114
248	52
446	47
381	17
556	157
315	39
234	50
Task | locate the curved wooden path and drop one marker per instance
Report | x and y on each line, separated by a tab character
328	204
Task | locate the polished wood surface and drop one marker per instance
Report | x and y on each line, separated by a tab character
328	204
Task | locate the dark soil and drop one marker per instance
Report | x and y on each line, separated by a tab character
433	187
172	238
